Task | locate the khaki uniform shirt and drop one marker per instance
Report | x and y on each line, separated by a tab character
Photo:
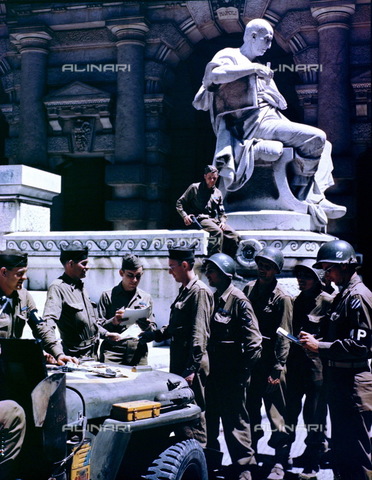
70	308
20	310
236	341
189	329
348	326
273	309
115	299
201	201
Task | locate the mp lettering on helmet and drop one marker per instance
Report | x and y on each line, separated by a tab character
358	334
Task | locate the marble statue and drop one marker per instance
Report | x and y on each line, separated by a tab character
245	107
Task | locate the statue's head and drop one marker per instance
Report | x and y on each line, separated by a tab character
258	36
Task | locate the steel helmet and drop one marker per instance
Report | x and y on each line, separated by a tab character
307	264
336	251
225	263
272	254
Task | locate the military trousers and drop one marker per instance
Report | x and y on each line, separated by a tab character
226	240
274	402
350	407
225	396
12	432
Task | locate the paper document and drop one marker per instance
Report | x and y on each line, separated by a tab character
131	315
286	334
131	332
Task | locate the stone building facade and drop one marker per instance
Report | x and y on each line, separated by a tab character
100	93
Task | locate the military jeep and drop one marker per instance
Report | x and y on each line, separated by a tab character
99	421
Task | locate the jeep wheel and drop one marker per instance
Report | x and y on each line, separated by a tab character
182	461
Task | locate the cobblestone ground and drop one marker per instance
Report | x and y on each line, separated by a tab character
158	358
266	453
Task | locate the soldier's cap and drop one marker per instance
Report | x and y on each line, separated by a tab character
13	259
131	262
181	254
210	169
71	252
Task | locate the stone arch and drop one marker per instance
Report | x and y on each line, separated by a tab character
168	43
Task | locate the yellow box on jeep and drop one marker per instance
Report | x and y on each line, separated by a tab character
135	410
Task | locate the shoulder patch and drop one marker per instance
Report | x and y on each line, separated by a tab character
355	303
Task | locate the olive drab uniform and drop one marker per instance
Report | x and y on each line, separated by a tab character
188	331
69	307
207	206
12	433
234	347
273	309
346	346
20	308
127	351
305	371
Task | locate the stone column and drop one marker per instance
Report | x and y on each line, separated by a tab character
32	141
333	90
127	175
158	110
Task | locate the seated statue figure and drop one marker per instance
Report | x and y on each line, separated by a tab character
245	108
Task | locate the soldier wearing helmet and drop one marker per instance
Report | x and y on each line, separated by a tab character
346	350
234	347
305	369
273	308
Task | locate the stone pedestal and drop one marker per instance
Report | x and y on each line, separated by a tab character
26	195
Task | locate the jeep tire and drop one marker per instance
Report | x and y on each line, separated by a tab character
182	461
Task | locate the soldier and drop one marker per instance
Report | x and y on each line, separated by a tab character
188	328
12	433
346	347
273	308
69	307
111	309
18	307
234	347
304	368
202	202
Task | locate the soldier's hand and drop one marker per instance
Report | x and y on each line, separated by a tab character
190	378
118	318
187	220
113	336
272	384
309	342
63	359
50	359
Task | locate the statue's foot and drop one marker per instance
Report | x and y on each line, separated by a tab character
332	210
